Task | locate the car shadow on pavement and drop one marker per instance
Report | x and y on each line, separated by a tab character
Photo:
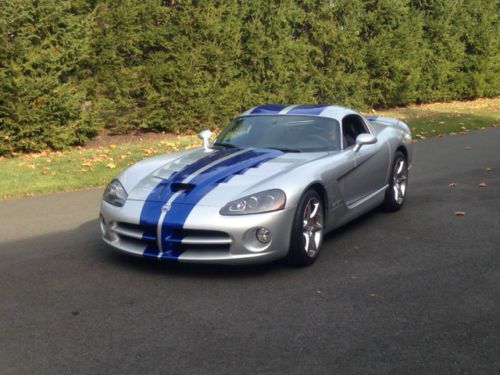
352	225
83	246
212	270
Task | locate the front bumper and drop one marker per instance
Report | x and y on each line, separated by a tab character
206	236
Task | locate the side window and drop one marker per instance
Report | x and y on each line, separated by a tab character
352	126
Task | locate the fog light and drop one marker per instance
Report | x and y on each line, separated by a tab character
263	235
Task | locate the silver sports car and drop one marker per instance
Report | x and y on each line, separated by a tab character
276	179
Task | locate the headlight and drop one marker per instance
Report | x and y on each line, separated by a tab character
265	201
115	194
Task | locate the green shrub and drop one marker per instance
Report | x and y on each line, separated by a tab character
69	68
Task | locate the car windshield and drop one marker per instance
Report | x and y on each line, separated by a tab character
284	132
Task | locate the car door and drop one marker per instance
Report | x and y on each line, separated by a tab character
370	162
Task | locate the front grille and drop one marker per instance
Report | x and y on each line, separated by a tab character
179	238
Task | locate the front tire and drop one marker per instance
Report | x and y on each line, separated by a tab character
307	230
395	195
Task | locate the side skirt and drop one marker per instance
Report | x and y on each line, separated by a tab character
344	214
359	202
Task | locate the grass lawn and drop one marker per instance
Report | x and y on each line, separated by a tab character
79	167
447	118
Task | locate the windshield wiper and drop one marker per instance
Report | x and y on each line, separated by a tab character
224	144
284	149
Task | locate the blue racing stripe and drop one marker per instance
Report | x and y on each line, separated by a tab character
308	109
268	109
151	210
205	182
371	118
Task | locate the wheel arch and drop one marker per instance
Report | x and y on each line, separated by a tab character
403	150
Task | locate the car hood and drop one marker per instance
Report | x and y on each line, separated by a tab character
217	176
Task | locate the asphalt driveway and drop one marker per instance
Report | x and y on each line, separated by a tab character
415	292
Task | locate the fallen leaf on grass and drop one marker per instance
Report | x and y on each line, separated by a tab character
149	151
459	213
111	165
482	184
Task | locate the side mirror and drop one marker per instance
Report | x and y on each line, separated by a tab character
205	135
364	139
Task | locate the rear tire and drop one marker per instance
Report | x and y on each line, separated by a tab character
307	230
395	194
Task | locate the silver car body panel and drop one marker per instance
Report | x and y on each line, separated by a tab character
187	225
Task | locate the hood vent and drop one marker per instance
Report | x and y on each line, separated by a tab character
178	186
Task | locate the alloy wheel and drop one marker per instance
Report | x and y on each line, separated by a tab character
312	228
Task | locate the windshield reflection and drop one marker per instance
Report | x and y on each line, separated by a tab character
288	133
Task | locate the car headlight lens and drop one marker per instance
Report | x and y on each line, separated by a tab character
115	194
265	201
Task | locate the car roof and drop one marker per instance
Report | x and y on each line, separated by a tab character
323	110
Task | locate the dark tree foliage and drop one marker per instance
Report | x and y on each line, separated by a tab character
69	68
45	63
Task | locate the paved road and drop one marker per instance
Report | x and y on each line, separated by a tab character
413	292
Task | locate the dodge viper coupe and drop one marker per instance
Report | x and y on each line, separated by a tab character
275	180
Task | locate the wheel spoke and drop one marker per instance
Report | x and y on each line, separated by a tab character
317	239
314	210
396	192
400	167
317	227
307	241
313	243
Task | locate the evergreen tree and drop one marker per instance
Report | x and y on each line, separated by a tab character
337	51
44	56
71	67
